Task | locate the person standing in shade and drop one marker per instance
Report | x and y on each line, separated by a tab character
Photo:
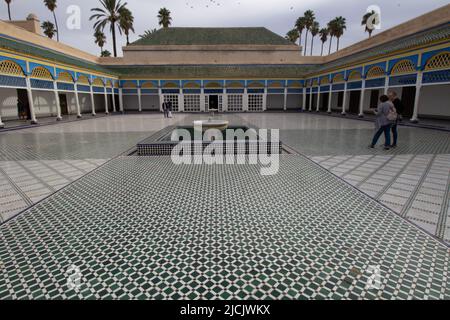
399	108
382	123
169	107
166	109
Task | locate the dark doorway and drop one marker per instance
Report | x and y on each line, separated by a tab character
63	104
324	101
354	102
374	96
213	103
408	97
110	103
23	105
308	97
340	99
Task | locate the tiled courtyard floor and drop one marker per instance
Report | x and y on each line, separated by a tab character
36	162
412	180
141	227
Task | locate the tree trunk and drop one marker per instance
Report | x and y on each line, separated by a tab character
321	51
329	48
114	38
337	46
128	39
56	24
312	45
306	42
9	12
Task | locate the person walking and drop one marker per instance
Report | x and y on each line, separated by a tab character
399	108
382	123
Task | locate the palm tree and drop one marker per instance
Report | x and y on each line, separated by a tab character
126	23
332	32
100	39
105	53
8	2
365	20
109	14
323	33
315	28
309	20
300	25
147	33
49	29
340	27
164	18
292	36
51	5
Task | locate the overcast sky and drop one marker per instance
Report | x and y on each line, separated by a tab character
277	15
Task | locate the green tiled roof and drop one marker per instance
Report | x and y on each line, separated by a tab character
215	71
213	36
54	56
409	42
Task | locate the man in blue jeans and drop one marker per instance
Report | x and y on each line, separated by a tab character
399	108
382	123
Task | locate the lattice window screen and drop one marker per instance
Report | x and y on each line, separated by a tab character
324	81
354	75
41	73
404	66
65	77
439	61
375	72
10	68
83	80
338	78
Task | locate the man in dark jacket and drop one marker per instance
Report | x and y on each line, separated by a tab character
399	107
165	107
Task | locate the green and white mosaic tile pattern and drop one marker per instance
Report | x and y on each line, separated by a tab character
221	231
36	162
413	179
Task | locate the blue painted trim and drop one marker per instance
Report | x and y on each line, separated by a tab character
375	83
276	91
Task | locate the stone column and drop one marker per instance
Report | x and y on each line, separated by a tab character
304	99
265	99
330	97
361	101
415	116
121	100
386	84
106	100
31	102
92	101
344	101
311	96
113	94
245	101
139	99
285	99
318	101
77	100
58	104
